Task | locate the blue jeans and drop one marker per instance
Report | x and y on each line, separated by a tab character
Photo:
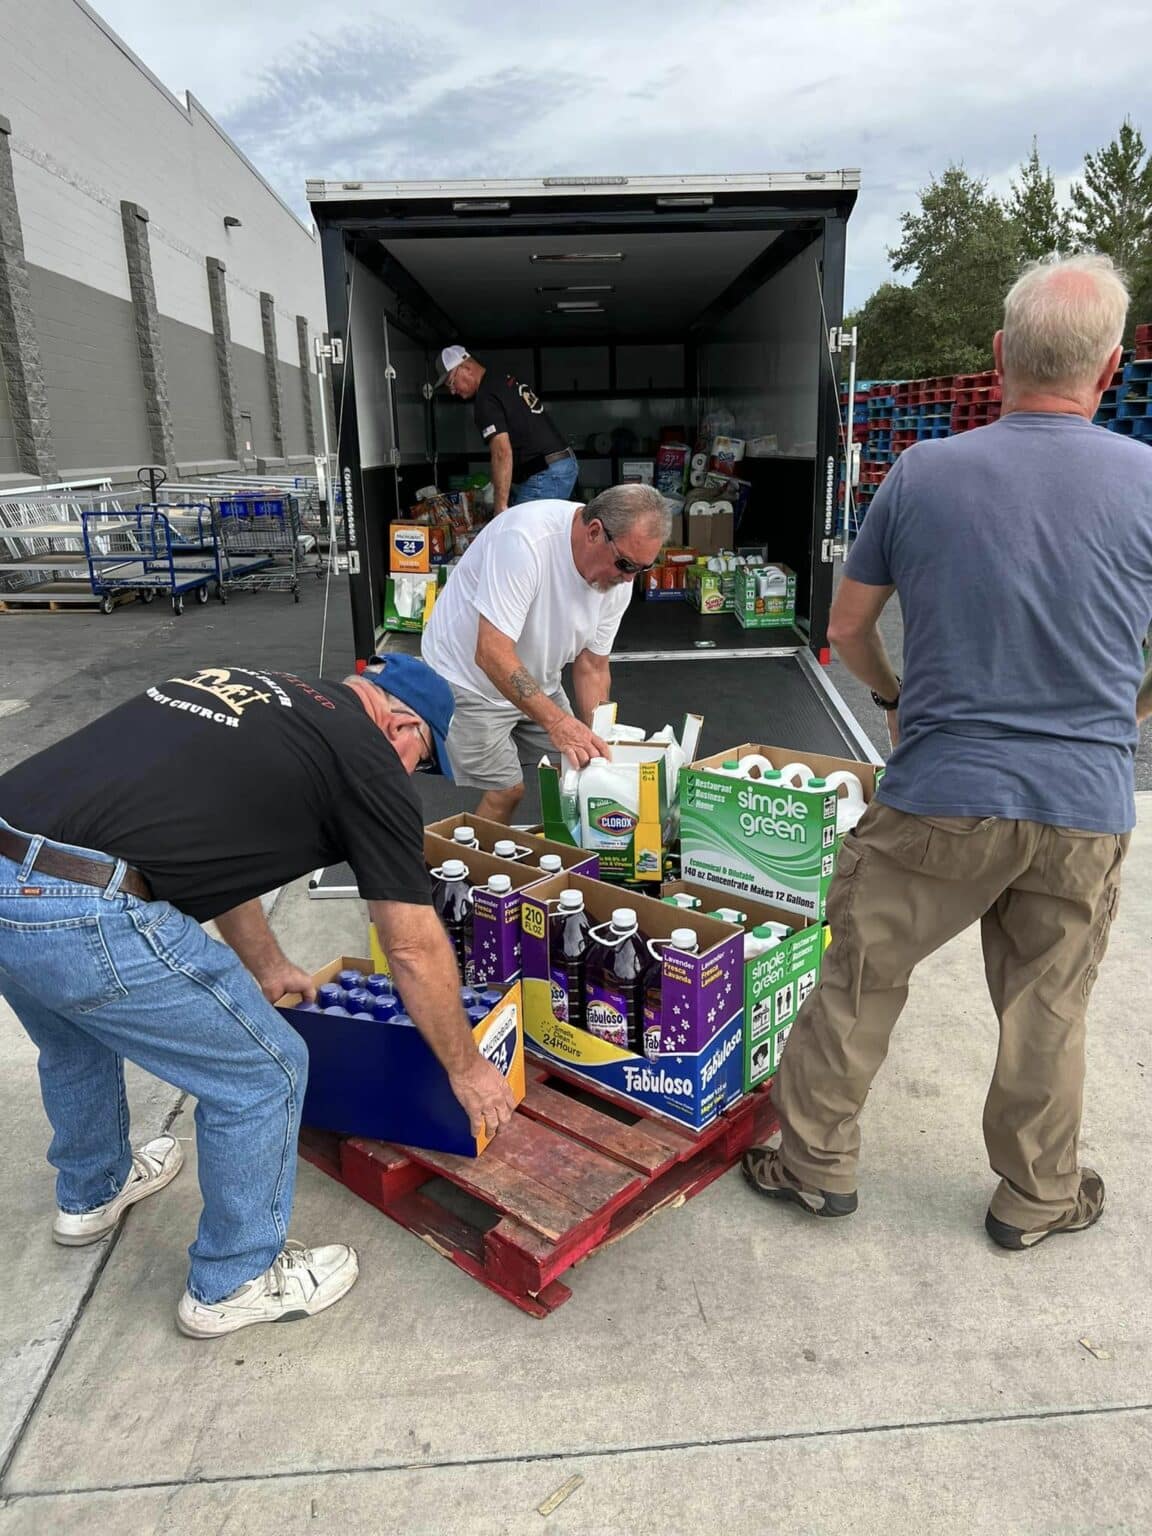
99	977
553	483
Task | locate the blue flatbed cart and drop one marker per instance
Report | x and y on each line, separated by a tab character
143	552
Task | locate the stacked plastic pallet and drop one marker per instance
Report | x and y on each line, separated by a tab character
977	401
1134	393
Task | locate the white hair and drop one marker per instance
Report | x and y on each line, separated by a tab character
622	507
1062	319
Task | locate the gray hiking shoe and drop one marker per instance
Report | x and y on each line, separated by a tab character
1086	1212
765	1171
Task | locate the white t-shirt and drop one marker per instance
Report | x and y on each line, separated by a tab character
521	576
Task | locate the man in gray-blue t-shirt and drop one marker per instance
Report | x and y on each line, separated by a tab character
1022	557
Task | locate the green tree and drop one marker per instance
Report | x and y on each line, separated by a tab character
1112	207
898	334
962	247
1041	225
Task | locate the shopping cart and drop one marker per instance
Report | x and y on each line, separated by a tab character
258	538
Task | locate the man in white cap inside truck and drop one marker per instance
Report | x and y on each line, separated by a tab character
531	461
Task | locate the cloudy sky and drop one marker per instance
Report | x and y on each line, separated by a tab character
388	88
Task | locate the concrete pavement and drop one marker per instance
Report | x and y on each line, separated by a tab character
731	1365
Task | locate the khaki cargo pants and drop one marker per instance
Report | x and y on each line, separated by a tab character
905	885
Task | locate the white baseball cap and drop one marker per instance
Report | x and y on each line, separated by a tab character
450	358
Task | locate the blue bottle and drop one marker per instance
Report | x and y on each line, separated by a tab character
359	1000
337	1011
477	1014
385	1009
350	979
330	995
308	1008
379	984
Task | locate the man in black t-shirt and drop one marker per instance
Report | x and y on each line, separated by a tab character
186	803
531	461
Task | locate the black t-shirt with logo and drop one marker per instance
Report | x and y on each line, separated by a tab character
226	782
506	405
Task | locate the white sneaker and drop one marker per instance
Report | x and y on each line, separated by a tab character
299	1283
154	1165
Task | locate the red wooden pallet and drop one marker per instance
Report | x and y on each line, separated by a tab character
565	1179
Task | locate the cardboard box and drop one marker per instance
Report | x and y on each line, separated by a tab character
495	957
417	549
631	845
756	612
409	600
776	984
709	532
575	860
696	1069
382	1080
637	471
711	591
745	838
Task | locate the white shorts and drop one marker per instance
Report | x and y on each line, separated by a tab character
489	742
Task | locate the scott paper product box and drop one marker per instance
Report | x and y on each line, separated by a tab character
530	846
710	591
764	595
368	1077
625	811
494	957
773	842
776	983
417	548
692	1064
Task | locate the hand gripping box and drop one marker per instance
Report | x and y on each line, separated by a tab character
530	846
693	1066
366	1078
495	957
743	837
776	984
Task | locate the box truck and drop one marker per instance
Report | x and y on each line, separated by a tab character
631	304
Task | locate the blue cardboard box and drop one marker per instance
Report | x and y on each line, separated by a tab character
366	1078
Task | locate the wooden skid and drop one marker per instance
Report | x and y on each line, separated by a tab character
565	1179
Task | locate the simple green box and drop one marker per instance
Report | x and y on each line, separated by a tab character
710	591
776	985
755	612
744	837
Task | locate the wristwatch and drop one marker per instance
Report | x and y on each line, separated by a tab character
887	703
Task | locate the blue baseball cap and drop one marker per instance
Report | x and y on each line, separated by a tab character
425	692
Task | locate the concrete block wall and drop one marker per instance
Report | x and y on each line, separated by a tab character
92	129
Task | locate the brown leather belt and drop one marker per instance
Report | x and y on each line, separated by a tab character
561	453
70	866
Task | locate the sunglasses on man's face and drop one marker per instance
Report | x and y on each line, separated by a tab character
622	563
428	760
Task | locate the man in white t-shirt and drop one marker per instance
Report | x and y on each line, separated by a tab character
543	586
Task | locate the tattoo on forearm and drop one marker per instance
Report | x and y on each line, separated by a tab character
523	684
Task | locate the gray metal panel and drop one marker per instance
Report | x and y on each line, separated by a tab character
193	391
91	372
252	396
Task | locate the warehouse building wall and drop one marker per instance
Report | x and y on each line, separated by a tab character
113	196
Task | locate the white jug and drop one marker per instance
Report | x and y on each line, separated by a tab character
754	765
602	827
796	775
851	807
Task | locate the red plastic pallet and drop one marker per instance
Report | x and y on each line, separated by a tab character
563	1180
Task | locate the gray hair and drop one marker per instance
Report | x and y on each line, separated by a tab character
621	507
1062	319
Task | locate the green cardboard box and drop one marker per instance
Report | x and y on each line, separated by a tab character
744	837
710	591
776	984
756	612
394	619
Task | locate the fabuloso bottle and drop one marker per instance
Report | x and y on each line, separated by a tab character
551	863
568	929
684	940
452	900
617	961
465	837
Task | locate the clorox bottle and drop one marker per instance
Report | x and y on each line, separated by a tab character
683	939
452	901
609	797
618	959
